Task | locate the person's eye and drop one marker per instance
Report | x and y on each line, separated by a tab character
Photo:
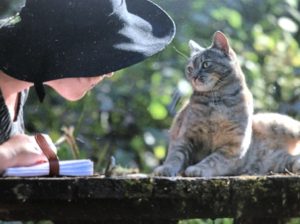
205	64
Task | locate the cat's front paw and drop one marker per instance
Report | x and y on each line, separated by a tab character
296	166
198	171
193	171
166	170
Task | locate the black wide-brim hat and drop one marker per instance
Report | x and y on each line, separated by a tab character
82	38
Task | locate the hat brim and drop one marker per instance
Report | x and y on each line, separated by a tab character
57	40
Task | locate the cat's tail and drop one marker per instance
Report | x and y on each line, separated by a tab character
279	131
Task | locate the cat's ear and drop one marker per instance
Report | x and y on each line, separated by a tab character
195	48
221	42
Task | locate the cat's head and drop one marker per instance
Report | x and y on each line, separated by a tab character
209	68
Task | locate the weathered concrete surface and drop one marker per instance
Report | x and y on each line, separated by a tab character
144	198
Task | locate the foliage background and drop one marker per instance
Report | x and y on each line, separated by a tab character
129	114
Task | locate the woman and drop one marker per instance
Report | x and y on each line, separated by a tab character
68	45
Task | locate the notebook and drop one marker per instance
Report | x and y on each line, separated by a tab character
83	167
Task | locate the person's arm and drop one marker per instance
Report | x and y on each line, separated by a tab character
4	162
21	150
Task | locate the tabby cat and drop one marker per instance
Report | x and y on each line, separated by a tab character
216	133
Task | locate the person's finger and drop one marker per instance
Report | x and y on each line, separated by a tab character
29	157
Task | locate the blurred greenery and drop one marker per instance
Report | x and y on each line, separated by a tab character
128	115
207	221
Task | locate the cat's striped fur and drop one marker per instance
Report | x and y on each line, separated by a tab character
216	133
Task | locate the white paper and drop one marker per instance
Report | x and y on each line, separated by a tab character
83	167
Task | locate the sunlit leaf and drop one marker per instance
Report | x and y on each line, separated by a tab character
156	78
160	152
296	61
264	42
287	24
149	138
233	17
158	111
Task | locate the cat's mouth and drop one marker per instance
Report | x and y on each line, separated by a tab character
198	80
203	84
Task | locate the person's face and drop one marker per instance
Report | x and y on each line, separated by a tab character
74	88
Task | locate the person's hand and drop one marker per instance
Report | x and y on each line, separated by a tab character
22	150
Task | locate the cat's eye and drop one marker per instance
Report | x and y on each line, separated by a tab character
205	64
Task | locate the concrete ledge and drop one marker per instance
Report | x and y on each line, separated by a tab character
141	199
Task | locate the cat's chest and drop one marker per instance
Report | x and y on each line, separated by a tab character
210	122
210	115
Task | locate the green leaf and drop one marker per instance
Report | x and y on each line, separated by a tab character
158	111
233	17
160	152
